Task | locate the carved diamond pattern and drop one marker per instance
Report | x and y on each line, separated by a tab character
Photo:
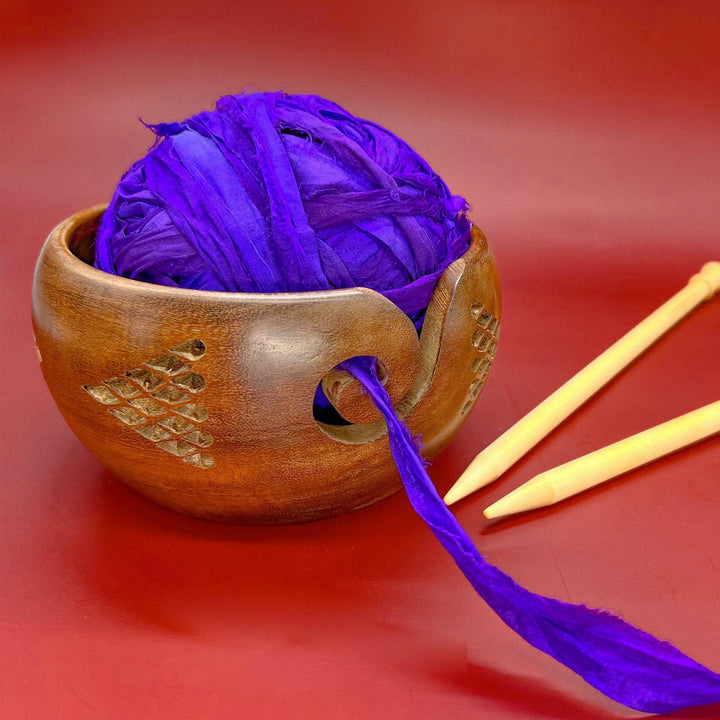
484	339
160	402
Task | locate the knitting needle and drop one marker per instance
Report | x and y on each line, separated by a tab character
597	467
527	432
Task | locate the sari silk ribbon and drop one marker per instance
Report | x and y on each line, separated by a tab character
627	664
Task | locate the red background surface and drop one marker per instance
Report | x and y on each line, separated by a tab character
585	135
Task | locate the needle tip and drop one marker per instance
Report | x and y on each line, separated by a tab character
535	493
478	474
452	496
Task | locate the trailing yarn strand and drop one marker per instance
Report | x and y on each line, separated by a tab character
627	664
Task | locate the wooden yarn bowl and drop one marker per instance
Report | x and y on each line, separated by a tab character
203	401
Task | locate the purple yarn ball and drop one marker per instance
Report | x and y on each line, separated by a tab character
275	193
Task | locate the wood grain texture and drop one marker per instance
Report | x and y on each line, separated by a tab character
203	400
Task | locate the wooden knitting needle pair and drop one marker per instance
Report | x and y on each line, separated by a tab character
590	470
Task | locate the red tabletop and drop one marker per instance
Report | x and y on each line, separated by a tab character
585	137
